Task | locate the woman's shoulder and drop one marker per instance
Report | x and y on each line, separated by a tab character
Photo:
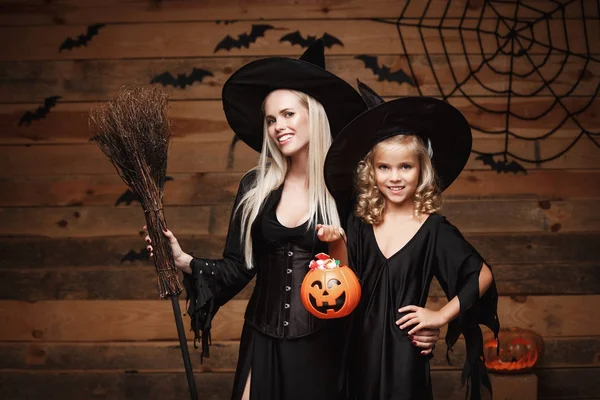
250	176
248	180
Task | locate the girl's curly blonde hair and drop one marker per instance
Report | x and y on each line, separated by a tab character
370	205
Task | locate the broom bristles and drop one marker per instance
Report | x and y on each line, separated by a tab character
134	132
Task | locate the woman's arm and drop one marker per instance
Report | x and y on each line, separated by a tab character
336	238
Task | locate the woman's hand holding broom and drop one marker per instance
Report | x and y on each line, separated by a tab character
182	259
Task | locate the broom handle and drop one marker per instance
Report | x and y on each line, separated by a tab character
184	349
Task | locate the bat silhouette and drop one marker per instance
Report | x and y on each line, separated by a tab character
501	166
297	38
182	80
133	255
244	39
81	40
40	112
129	197
383	73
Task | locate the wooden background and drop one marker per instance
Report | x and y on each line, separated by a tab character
80	320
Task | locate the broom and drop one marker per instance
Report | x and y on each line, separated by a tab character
134	132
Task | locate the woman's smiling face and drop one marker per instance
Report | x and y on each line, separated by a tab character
287	121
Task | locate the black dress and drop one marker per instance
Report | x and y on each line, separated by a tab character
383	362
292	354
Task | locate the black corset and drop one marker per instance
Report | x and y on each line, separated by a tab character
275	308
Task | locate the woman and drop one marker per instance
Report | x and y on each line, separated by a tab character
287	109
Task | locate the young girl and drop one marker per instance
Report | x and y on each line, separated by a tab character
397	243
287	109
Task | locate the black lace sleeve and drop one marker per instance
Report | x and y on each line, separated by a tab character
212	283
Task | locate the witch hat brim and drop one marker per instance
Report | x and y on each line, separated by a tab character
432	119
245	91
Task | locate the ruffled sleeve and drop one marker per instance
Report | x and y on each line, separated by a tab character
457	269
214	282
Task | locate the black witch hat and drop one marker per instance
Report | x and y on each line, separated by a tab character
245	91
435	121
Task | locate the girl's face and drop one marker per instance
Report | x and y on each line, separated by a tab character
397	171
287	121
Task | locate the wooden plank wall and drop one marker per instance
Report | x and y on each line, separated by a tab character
78	302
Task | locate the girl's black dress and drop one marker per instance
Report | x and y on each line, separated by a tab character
292	354
383	363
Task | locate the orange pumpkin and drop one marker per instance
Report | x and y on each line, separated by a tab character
329	290
520	349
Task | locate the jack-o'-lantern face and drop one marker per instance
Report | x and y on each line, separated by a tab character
328	295
331	292
519	350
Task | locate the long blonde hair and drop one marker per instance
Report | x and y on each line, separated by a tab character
370	205
273	166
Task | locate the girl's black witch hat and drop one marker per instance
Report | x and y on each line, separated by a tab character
436	121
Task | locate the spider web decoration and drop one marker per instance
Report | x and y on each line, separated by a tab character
510	52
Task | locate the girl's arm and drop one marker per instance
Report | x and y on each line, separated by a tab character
425	318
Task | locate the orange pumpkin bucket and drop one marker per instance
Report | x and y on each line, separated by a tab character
329	290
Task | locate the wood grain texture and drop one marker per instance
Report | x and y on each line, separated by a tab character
166	356
197	122
112	320
140	283
114	386
360	36
495	216
40	12
550	316
220	187
108	190
81	318
107	283
100	221
217	156
570	383
27	254
522	215
98	80
554	384
37	252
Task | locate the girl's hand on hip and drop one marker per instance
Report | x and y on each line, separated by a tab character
420	318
